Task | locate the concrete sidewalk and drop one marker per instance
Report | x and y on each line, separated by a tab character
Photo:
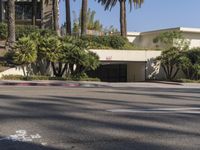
91	84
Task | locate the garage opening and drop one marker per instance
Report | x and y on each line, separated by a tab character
110	73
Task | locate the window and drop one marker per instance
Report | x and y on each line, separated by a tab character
23	10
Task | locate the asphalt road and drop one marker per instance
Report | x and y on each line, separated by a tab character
123	118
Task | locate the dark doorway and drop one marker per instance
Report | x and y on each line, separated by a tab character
110	73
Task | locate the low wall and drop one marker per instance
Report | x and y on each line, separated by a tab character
126	55
12	71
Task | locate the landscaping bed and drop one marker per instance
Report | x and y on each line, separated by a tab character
32	78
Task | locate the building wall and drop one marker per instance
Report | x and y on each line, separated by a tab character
145	40
194	39
135	71
44	21
140	63
12	71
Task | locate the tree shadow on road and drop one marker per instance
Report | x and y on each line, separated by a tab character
81	123
6	144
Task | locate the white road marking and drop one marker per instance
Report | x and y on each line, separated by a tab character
22	136
188	110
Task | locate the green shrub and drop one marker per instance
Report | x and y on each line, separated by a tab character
23	30
117	42
188	81
190	64
12	77
3	31
20	77
113	42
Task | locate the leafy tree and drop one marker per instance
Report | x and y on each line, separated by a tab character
77	57
49	49
174	44
25	53
91	23
92	62
42	65
109	4
64	55
170	62
190	64
172	39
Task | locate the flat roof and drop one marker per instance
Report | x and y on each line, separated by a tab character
133	33
183	29
194	30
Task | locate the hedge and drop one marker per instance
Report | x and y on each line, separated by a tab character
22	30
109	42
30	78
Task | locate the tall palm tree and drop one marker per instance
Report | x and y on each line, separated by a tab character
34	12
11	24
109	4
56	16
68	17
84	17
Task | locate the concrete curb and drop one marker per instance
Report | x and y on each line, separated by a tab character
87	84
52	83
39	84
166	82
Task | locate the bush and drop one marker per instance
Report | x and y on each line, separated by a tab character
188	81
118	42
114	42
190	64
20	77
170	62
3	31
23	30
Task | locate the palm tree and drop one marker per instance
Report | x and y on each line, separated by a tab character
56	16
34	12
111	3
11	24
84	17
68	17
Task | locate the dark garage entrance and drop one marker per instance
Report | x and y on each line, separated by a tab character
110	73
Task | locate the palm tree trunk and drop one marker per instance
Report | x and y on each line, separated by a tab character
56	17
123	17
42	14
125	21
68	17
34	12
11	24
84	17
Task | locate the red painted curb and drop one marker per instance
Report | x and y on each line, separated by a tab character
40	84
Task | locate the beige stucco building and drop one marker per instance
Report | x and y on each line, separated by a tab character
145	39
139	65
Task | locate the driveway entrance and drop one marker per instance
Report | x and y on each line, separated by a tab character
110	73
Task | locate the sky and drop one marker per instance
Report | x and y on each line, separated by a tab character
154	14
